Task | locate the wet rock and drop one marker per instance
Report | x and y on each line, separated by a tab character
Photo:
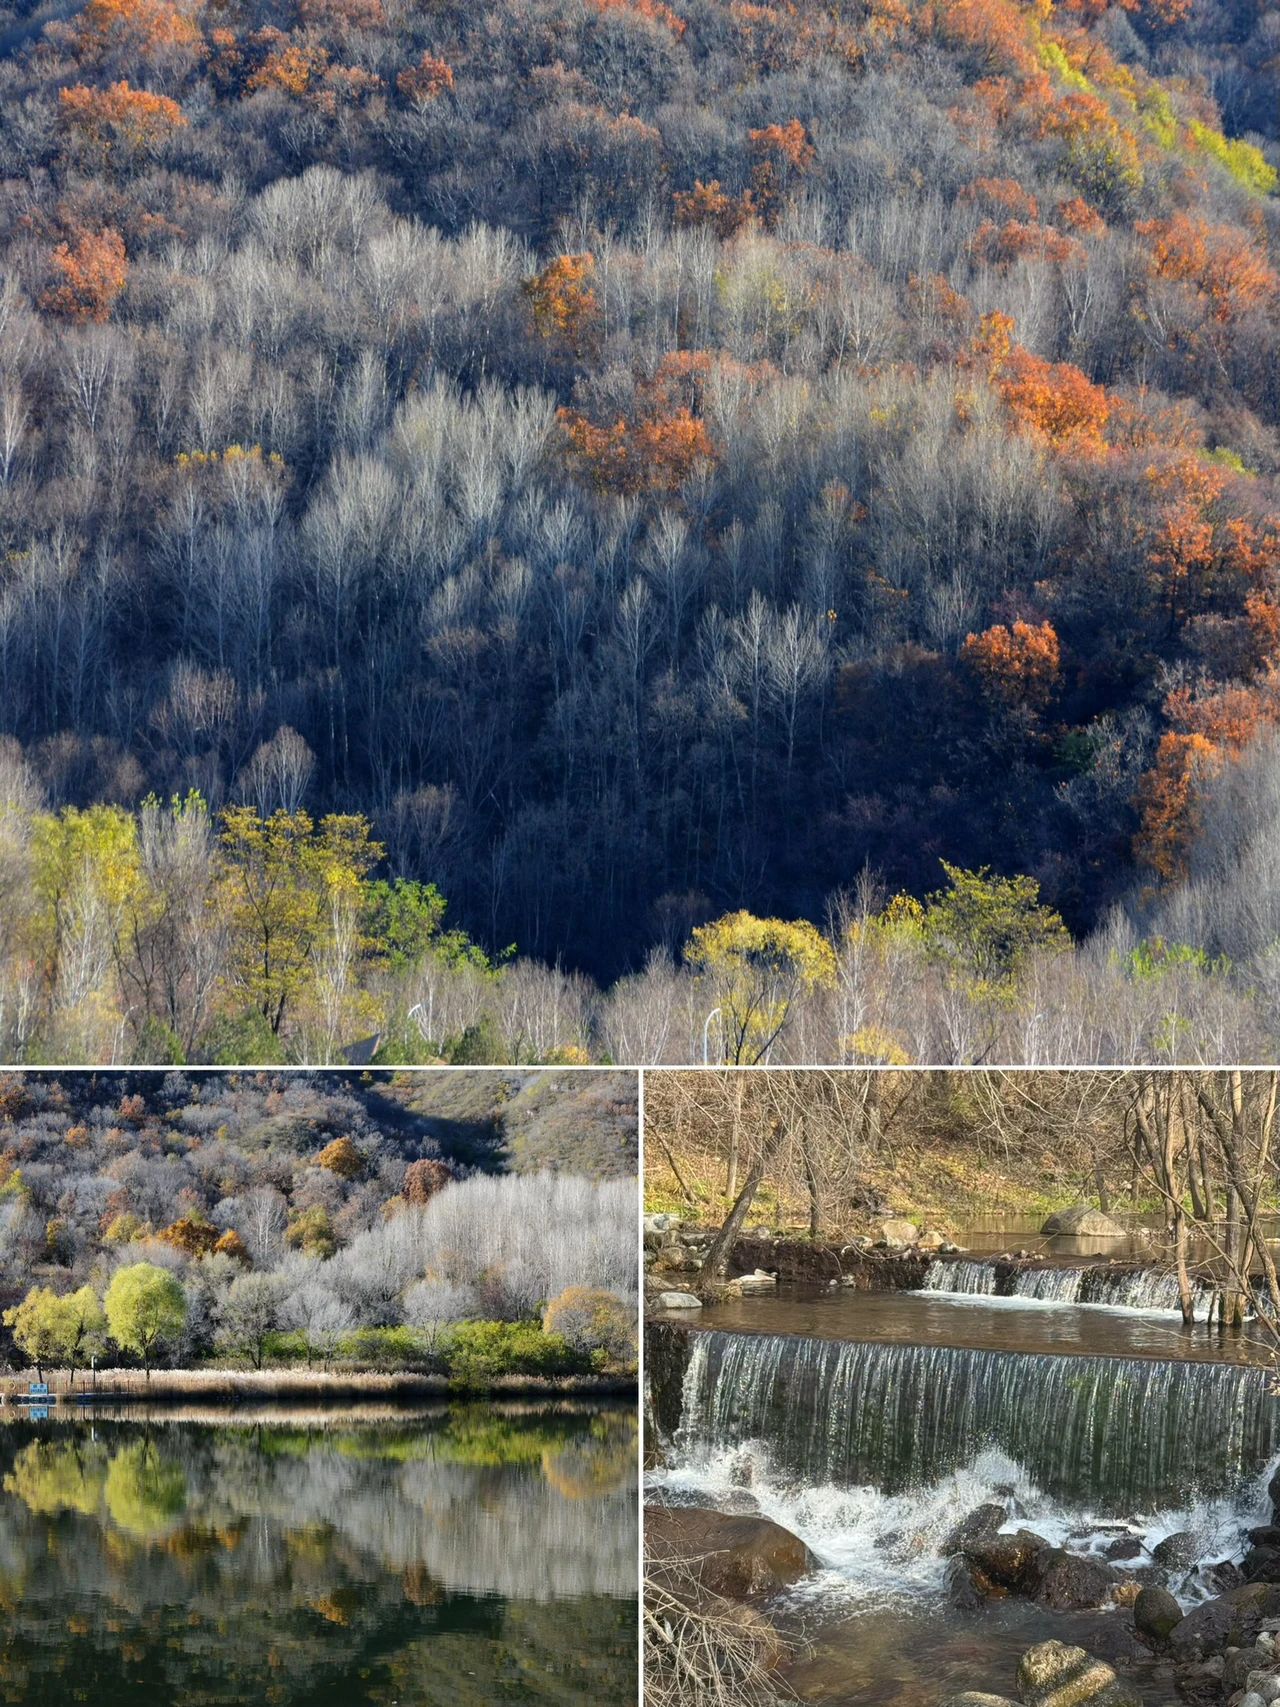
1261	1564
1083	1222
1124	1547
678	1301
738	1557
1009	1561
759	1280
1176	1552
1240	1666
982	1521
1054	1675
1265	1535
1223	1576
1069	1583
1231	1620
969	1588
896	1231
1155	1614
1252	1699
975	1698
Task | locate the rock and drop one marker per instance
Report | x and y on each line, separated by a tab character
1240	1668
984	1520
949	1250
678	1301
1083	1222
1265	1535
931	1240
1055	1675
1009	1561
968	1588
1069	1583
1177	1552
1261	1564
1232	1620
1155	1612
739	1557
673	1259
1252	1699
1223	1576
975	1698
1126	1592
896	1231
1124	1547
760	1280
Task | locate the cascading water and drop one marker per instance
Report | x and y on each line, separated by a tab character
1120	1433
1142	1289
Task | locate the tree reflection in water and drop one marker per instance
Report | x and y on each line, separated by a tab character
470	1558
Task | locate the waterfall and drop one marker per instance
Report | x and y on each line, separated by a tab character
1125	1433
1144	1289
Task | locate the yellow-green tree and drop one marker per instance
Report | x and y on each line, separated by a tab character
985	928
63	1332
753	971
146	1310
292	893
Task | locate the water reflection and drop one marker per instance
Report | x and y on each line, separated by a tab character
473	1558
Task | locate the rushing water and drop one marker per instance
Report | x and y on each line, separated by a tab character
1120	1431
871	1424
1143	1289
469	1558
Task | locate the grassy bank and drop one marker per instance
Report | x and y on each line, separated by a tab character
302	1387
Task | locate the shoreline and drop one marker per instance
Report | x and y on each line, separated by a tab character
128	1388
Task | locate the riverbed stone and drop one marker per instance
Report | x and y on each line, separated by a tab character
976	1698
1124	1547
1069	1583
1053	1674
1177	1552
1083	1222
1231	1620
983	1520
741	1558
1155	1614
899	1231
1009	1561
678	1301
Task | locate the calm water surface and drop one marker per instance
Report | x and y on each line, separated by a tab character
472	1557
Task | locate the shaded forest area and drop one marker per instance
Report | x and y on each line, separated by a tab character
679	456
266	1218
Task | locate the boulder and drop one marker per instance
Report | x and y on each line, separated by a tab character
931	1240
975	1698
758	1281
1069	1583
738	1557
1009	1561
1261	1564
982	1521
677	1301
1177	1552
1241	1667
1054	1675
1124	1547
896	1231
674	1259
1233	1620
1084	1223
1155	1613
968	1588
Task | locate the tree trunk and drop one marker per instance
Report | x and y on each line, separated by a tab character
717	1258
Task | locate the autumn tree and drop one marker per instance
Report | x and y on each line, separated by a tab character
119	123
343	1158
423	1179
426	81
753	971
146	1310
562	300
1018	665
92	272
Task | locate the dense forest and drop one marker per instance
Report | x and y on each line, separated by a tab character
677	455
441	1225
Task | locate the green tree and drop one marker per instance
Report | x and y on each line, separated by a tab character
61	1332
753	970
288	889
146	1310
986	928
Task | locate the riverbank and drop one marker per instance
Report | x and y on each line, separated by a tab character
271	1386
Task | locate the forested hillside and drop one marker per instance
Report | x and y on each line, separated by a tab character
672	456
292	1214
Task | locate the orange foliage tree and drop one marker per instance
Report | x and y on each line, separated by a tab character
660	445
562	300
709	205
1221	263
426	81
1054	401
1018	666
782	152
93	271
119	120
148	29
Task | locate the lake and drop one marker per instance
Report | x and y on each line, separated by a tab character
465	1557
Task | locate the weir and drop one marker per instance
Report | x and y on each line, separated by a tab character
1119	1434
1130	1289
